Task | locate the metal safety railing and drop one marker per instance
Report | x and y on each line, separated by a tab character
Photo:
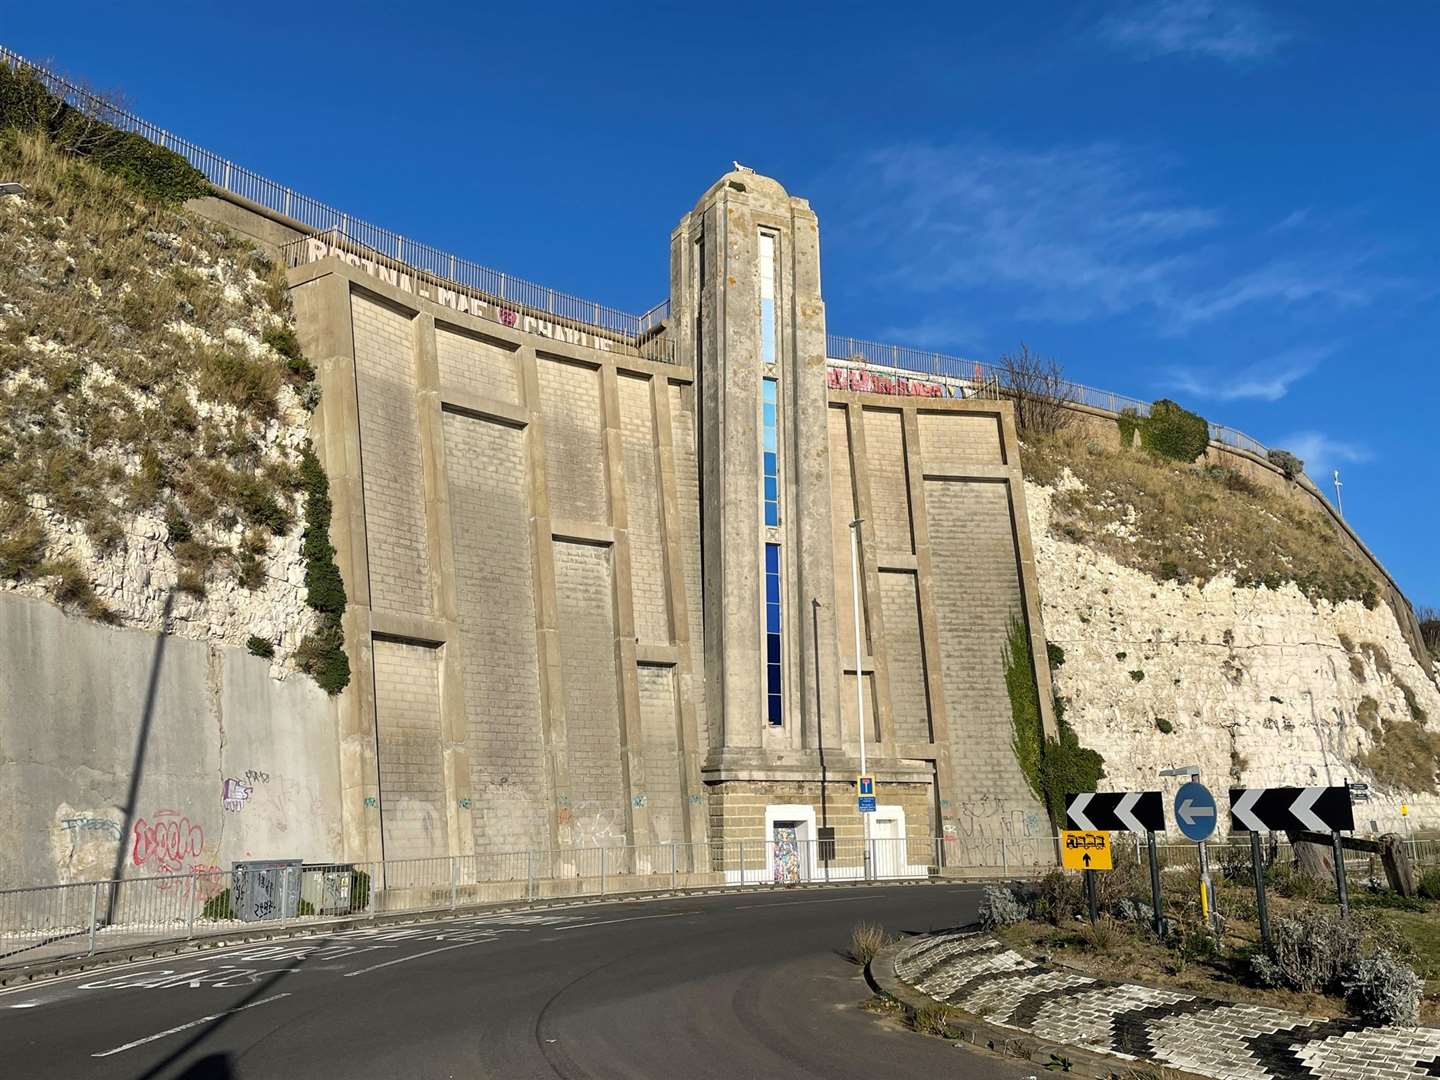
51	922
317	216
55	921
978	372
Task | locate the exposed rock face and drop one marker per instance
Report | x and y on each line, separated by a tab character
1257	686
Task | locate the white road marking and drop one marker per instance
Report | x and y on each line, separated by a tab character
186	1027
25	1005
796	903
633	918
415	956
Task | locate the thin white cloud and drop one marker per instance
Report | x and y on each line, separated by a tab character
1267	380
1232	32
1323	454
1073	234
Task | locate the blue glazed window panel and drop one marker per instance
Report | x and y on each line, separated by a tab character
774	698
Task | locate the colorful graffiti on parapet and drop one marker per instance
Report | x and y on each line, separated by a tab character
861	381
164	844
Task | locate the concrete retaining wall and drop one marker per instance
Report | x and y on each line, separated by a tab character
226	762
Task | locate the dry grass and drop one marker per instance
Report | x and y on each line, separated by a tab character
866	941
933	1019
131	375
1192	522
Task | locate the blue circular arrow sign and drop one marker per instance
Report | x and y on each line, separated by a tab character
1195	811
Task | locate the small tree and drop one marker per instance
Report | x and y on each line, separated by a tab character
1040	391
1430	629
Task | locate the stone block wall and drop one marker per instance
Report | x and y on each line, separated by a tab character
946	564
516	516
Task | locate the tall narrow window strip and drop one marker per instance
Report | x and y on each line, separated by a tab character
768	341
774	698
769	442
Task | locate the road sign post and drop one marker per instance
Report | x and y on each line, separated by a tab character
1262	909
1091	902
1340	889
1157	911
1195	814
1132	811
1289	809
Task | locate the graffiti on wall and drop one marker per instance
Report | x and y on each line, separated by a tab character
234	794
166	842
860	381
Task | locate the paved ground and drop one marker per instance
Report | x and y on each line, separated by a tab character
731	986
979	975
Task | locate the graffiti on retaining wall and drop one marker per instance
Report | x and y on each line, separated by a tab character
234	794
255	776
861	381
104	826
165	842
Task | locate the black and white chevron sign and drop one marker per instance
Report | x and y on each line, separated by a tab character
1135	811
1276	809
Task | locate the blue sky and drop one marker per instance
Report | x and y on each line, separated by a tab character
1233	204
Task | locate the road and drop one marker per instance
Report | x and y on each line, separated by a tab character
725	986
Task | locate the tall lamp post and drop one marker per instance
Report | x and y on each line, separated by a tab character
859	677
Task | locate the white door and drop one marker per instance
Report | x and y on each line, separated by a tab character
888	835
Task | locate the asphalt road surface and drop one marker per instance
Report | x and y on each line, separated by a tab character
729	986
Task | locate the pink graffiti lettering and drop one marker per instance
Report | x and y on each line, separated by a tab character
868	382
162	846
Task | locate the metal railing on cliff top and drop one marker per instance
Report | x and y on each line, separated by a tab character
624	327
225	174
939	365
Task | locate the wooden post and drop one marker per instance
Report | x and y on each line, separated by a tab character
1257	862
1156	901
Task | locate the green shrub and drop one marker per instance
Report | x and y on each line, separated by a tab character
259	646
156	174
218	907
1165	726
1137	676
359	891
1430	884
1056	655
1059	897
324	588
1000	907
22	542
1128	421
1174	432
1381	989
1286	462
284	341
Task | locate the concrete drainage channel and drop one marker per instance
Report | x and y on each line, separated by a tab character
18	974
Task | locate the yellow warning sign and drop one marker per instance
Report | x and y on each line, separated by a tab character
1085	851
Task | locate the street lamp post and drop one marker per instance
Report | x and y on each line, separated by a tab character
859	677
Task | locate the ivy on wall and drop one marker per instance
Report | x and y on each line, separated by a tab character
322	654
1053	768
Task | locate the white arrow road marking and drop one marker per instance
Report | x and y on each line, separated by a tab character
1077	811
1125	812
1244	810
1188	812
1301	808
186	1027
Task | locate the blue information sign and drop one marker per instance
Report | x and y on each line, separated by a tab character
867	804
1195	811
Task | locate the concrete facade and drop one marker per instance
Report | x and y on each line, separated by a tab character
158	755
557	555
513	516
